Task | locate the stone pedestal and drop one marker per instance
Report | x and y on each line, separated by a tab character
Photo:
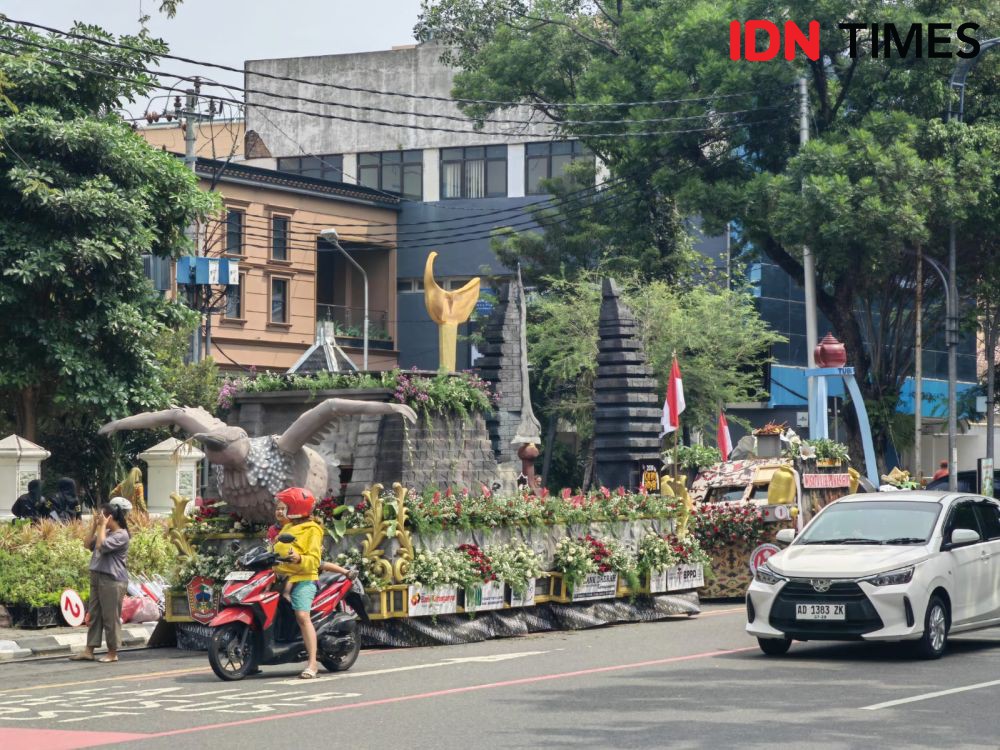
173	467
20	462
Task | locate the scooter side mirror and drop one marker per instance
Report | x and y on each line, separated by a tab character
286	538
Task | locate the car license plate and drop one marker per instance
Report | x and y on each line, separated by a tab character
820	612
240	575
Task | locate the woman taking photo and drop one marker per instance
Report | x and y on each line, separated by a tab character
108	539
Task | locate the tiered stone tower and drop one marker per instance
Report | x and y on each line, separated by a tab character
626	396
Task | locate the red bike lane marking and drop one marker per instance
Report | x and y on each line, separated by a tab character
447	691
60	739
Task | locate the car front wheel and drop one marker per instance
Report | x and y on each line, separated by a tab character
774	646
935	638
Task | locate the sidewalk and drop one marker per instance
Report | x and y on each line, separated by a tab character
17	644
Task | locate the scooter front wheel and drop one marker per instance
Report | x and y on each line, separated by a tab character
231	651
344	662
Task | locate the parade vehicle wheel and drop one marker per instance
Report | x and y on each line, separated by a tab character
774	646
935	638
345	661
231	652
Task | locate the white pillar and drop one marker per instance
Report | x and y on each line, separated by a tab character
515	170
173	467
432	174
351	169
20	462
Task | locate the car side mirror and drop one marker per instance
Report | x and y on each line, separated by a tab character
961	537
785	536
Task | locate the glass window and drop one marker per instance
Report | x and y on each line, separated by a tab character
474	172
234	300
399	172
322	167
234	232
989	519
279	300
279	238
549	160
963	516
873	522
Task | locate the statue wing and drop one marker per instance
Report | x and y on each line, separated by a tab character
305	427
190	419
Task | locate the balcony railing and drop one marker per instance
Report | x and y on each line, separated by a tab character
349	322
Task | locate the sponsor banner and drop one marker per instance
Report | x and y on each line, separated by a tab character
440	601
482	598
658	581
682	577
825	481
526	599
596	586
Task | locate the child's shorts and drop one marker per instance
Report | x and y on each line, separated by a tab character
303	594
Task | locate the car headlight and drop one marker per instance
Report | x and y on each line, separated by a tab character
765	575
892	578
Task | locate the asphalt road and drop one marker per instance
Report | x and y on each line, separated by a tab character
686	683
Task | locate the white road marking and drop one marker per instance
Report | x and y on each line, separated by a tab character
412	667
928	696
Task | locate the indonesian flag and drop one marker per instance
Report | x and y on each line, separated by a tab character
723	438
674	403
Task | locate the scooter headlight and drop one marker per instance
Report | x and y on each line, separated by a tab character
239	594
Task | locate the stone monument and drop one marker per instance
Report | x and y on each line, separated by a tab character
626	397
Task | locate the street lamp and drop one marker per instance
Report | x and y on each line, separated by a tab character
331	236
958	77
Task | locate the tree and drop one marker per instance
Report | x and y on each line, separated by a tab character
717	334
558	55
82	199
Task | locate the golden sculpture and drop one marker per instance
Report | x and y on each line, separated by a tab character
175	527
782	488
448	310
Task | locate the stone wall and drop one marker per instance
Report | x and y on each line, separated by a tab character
447	450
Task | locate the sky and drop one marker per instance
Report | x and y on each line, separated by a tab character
231	31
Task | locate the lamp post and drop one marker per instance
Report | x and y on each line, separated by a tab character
958	77
331	236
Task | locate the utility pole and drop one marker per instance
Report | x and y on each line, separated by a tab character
809	280
918	368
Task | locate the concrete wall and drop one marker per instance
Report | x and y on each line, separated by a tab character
416	70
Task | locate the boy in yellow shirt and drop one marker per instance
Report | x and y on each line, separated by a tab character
294	512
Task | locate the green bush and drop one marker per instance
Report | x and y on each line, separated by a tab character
37	575
150	554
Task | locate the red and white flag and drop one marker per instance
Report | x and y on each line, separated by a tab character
723	438
674	403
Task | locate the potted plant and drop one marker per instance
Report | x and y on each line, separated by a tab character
655	555
769	439
691	458
518	566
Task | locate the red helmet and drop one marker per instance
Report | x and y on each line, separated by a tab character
299	501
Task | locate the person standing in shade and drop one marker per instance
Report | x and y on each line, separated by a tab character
32	504
108	539
65	503
942	471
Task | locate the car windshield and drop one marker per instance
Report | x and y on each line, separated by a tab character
873	522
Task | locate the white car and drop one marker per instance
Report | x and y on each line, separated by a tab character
900	566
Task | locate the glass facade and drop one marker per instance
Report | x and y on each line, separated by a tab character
546	161
323	167
474	172
399	172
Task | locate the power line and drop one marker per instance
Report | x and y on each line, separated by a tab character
343	118
359	89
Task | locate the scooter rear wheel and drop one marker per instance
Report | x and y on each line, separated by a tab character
344	662
231	651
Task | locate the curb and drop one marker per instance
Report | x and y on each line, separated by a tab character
33	647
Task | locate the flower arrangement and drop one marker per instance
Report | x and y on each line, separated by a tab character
574	559
718	525
463	393
819	449
655	553
210	517
578	558
444	567
688	551
771	429
692	457
481	563
435	511
367	572
214	566
515	564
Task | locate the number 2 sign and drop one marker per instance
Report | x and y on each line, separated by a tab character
72	608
